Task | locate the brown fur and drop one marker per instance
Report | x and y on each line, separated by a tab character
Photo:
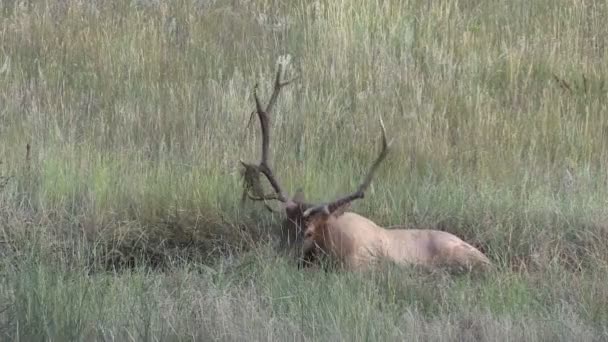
357	243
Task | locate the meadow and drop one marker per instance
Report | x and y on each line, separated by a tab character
122	124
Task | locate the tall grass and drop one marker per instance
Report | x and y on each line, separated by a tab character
136	113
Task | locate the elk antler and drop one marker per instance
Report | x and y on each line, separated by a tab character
251	172
360	193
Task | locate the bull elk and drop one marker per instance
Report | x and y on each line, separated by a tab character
352	240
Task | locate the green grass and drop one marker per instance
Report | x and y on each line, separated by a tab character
137	116
262	296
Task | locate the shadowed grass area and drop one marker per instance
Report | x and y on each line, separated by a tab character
137	115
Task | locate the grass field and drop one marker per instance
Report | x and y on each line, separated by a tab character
123	221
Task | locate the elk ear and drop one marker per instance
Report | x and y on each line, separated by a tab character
316	219
317	213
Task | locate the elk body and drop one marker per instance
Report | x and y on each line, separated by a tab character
352	240
357	243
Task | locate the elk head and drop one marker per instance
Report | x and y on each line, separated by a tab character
300	215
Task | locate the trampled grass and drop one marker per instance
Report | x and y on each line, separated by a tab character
137	112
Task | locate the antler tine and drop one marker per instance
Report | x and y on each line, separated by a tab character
278	84
385	148
264	198
360	193
264	120
263	115
275	90
251	183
